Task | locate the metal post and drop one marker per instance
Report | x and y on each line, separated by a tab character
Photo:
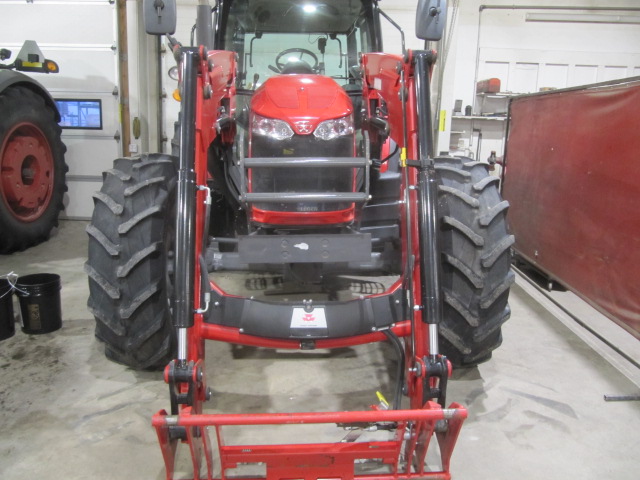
204	28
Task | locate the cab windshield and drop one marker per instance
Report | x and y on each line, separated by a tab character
284	36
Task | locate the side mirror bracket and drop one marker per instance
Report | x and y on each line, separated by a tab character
159	16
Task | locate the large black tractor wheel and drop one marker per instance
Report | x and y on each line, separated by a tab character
476	254
130	269
32	169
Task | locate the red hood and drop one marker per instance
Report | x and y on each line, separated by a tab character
303	101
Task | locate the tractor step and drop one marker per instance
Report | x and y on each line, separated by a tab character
402	456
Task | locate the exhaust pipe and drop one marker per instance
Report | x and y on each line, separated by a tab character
204	27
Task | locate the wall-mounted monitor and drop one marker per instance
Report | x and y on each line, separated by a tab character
80	113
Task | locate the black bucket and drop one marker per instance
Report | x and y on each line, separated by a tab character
7	320
40	307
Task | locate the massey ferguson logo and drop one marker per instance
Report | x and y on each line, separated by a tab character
303	127
302	319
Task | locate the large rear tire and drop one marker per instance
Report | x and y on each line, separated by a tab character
131	243
32	169
476	257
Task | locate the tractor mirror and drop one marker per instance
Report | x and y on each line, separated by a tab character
159	16
431	17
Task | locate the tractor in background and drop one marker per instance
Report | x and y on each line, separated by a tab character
32	165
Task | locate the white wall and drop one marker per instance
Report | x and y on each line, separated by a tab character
527	56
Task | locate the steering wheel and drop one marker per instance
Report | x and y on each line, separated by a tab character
301	51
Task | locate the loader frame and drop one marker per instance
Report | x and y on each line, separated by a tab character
396	103
208	81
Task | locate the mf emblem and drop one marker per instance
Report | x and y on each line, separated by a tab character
303	127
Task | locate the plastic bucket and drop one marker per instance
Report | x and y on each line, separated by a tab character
7	320
39	297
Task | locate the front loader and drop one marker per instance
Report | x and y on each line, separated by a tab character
303	161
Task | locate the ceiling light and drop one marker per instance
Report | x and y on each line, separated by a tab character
581	18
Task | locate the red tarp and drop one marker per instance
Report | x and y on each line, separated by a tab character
573	180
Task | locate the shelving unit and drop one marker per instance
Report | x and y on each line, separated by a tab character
486	128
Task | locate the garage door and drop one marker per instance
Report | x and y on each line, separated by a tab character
80	37
557	49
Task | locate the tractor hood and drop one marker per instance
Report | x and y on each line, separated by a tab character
303	101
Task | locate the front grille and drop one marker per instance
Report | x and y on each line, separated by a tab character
301	146
302	180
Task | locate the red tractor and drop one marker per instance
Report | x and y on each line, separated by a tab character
303	157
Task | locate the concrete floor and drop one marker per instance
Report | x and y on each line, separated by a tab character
536	410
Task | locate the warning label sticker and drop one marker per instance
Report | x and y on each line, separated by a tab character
313	319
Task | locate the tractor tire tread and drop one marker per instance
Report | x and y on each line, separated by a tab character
129	252
486	182
475	278
110	247
130	224
136	258
112	291
493	213
466	198
467	231
111	204
476	275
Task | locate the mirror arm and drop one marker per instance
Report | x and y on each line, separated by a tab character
390	20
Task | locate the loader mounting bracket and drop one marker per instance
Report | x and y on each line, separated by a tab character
184	380
437	373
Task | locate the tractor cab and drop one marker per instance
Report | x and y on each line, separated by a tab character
283	37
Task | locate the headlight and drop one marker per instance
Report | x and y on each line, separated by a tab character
270	127
330	129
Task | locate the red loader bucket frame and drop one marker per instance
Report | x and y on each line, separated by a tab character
410	308
413	429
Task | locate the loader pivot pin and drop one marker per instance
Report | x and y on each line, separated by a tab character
185	381
438	370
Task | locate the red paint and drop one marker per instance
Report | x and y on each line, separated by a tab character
382	82
268	217
28	172
310	99
320	460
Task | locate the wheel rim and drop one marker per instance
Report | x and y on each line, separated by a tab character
27	171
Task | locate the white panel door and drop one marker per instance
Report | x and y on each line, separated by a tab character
81	37
554	54
554	76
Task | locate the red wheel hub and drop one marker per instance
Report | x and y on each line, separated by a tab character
27	170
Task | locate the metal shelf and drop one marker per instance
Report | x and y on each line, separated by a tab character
477	117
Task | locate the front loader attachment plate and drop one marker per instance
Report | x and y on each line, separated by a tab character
401	456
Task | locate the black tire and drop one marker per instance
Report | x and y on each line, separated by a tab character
131	243
32	167
476	257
